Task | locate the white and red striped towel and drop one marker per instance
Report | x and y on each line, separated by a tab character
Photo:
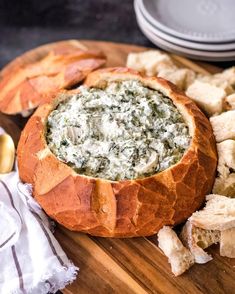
31	260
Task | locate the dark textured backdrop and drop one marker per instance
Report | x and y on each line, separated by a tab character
25	24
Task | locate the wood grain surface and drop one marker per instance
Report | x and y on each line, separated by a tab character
109	265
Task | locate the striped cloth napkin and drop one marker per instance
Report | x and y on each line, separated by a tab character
31	260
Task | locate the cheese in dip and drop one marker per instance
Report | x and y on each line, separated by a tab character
124	131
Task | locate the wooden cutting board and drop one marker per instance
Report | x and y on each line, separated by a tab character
136	265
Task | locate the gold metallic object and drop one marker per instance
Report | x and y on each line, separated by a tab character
7	153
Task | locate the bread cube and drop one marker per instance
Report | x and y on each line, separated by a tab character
210	98
225	186
226	157
227	243
149	62
230	101
181	77
227	75
224	80
224	126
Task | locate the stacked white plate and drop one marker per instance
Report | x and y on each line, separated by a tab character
198	29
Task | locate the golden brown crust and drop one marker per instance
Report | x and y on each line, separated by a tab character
126	208
29	79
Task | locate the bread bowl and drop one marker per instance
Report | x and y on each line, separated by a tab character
125	207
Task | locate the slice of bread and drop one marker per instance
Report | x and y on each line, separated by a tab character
197	239
218	214
179	256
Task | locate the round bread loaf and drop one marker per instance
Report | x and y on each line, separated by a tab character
125	208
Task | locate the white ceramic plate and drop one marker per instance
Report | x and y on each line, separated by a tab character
209	21
178	41
190	53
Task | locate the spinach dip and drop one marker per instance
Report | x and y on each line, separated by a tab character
124	131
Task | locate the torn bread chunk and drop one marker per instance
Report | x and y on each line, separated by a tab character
226	157
225	186
227	243
179	256
149	62
224	80
218	214
227	75
224	125
230	101
181	77
222	84
197	239
210	98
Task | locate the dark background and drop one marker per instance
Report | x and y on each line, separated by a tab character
25	24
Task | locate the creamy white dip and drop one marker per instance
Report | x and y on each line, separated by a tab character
124	131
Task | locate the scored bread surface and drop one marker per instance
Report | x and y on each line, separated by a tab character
126	208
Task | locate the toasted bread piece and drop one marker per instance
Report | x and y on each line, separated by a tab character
181	77
226	157
218	214
179	256
227	243
150	62
223	126
225	185
197	239
210	98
